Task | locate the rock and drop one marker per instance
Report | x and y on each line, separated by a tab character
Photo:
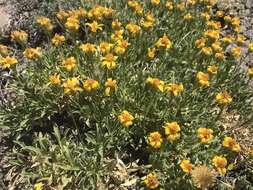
249	4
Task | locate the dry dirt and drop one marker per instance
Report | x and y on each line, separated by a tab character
4	15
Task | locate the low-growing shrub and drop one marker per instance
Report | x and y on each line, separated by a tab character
131	94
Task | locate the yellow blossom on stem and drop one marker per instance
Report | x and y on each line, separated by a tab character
205	16
227	18
228	39
200	42
90	85
38	186
169	5
174	88
109	61
212	34
164	42
156	83
19	36
151	180
250	72
117	35
205	135
94	26
7	62
62	15
121	46
71	85
3	50
88	47
207	51
58	39
250	47
45	23
223	98
109	85
172	130
188	16
236	21
55	79
105	47
32	53
217	46
213	69
151	53
231	144
155	2
220	164
69	63
116	24
133	28
181	6
155	139
240	39
220	56
203	78
72	24
186	166
219	14
126	119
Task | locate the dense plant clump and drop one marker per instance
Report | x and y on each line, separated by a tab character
131	94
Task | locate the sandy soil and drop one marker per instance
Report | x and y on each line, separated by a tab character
4	16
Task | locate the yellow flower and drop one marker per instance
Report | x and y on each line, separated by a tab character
164	42
219	14
94	26
203	78
240	39
58	40
207	51
191	3
19	36
188	16
220	163
217	46
220	56
214	24
121	46
3	50
90	85
228	39
38	186
151	181
133	28
116	24
155	2
146	24
155	139
88	47
150	17
181	6
223	98
213	34
231	144
236	21
200	42
186	166
62	15
71	85
72	23
32	53
126	119
172	129
251	152
135	6
109	61
45	23
105	47
237	29
69	63
110	84
55	79
205	135
7	62
250	72
205	16
250	47
213	69
227	18
169	5
156	83
151	53
174	88
117	35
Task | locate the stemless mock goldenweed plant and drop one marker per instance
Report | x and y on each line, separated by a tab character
145	81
